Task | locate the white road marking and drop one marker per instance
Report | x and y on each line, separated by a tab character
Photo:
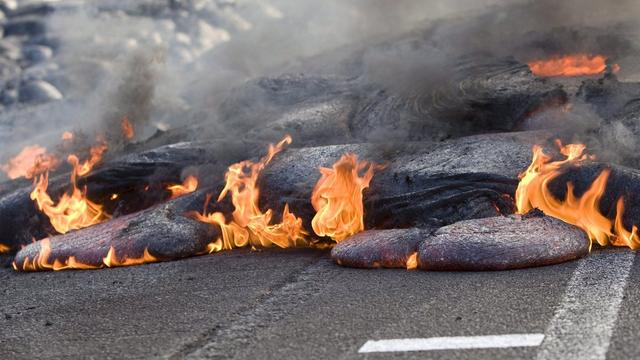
451	343
583	323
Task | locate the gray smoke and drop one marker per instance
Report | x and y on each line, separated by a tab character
174	63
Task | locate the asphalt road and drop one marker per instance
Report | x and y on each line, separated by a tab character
298	305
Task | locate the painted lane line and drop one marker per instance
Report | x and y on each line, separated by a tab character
452	343
583	323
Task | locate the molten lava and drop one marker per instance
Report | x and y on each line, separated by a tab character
189	185
127	128
337	198
31	161
583	212
250	225
571	65
74	210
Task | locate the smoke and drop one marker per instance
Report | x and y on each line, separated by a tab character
181	63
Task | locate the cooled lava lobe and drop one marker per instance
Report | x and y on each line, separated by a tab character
502	243
496	243
164	232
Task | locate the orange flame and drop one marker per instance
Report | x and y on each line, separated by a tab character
127	128
571	65
96	155
251	226
189	185
67	136
337	198
42	262
412	261
74	210
31	161
4	248
111	260
583	212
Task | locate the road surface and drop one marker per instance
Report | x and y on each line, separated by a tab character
297	304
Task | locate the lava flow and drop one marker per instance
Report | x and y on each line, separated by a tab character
583	212
251	226
337	198
74	210
571	65
31	161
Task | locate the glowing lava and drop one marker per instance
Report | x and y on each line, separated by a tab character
31	161
337	198
250	225
571	65
189	185
583	212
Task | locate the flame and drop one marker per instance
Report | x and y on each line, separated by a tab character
111	260
67	136
31	161
412	261
337	198
96	155
189	185
571	65
127	128
251	226
4	248
42	262
583	212
74	210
